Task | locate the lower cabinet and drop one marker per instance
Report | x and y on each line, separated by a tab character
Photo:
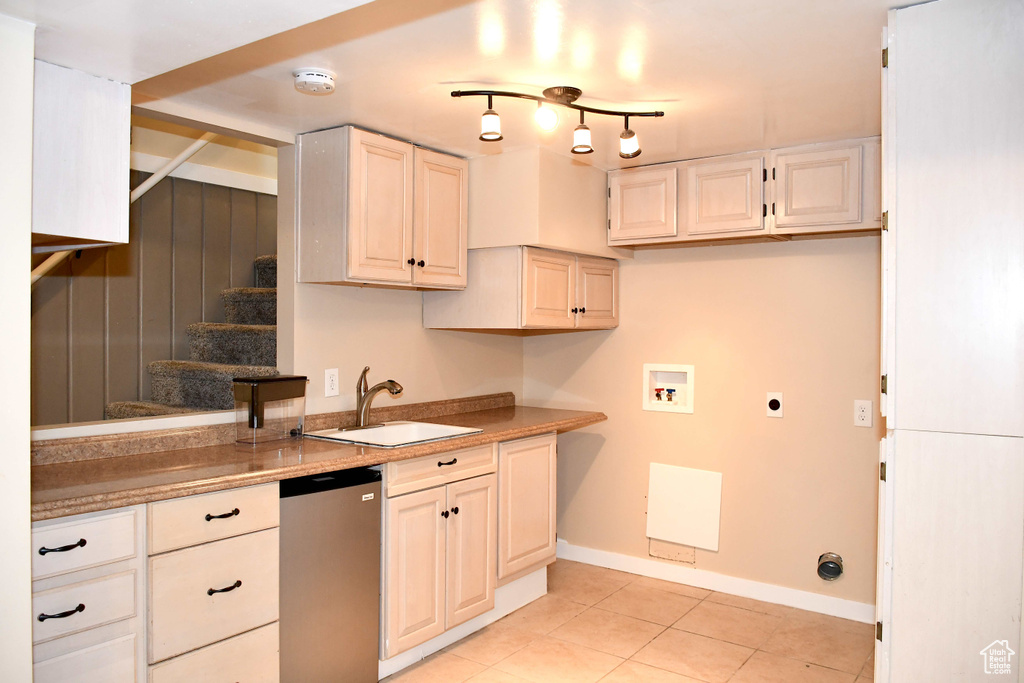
526	505
439	560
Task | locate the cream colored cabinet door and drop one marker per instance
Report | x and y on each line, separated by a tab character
597	293
440	222
414	569
548	289
725	197
526	504
380	208
817	187
472	535
641	205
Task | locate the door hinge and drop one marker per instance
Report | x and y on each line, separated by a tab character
765	179
878	631
885	220
885	384
881	471
609	193
764	210
609	224
773	208
773	174
885	57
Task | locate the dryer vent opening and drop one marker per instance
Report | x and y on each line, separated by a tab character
830	566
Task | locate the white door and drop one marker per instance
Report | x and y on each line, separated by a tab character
548	288
380	208
597	293
641	204
440	220
472	546
414	569
816	187
725	196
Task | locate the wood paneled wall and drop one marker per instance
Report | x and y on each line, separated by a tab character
99	318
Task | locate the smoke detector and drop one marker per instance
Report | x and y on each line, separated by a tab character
314	81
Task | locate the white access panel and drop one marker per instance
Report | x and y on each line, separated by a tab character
684	506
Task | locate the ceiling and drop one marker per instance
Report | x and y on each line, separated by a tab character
731	75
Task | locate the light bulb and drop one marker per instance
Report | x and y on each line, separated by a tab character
629	144
546	117
581	140
490	126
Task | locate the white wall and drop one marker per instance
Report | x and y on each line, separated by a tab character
798	317
17	41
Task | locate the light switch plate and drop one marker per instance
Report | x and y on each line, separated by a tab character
774	396
862	414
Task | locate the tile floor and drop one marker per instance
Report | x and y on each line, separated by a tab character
597	624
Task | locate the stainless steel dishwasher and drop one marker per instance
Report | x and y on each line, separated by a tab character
330	577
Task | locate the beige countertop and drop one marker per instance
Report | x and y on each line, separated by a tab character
98	483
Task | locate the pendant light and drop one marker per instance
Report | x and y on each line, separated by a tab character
629	144
490	124
546	117
581	138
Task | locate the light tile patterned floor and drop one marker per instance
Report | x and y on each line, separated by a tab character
597	624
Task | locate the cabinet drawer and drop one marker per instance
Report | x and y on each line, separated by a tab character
183	615
182	522
105	600
69	546
442	468
253	657
110	662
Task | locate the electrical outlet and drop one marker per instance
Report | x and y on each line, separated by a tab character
331	382
862	414
774	404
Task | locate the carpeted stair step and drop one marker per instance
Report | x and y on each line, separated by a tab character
120	410
206	386
233	344
250	306
266	271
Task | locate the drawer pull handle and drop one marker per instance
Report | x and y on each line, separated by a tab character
62	615
450	462
63	548
234	512
230	588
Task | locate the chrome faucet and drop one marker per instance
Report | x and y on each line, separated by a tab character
364	396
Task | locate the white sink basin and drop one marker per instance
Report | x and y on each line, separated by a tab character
394	434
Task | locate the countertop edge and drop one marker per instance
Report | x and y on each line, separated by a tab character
74	506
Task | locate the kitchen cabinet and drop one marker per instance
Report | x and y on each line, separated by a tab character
213	574
88	577
439	548
526	505
725	196
811	189
642	204
820	188
375	210
80	159
523	288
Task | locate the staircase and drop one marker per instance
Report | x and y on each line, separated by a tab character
244	346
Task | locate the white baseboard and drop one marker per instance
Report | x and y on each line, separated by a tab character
507	599
766	592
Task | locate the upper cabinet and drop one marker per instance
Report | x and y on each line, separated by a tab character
374	210
642	204
831	187
80	159
524	288
725	196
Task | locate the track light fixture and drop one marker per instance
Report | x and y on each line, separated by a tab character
547	118
490	124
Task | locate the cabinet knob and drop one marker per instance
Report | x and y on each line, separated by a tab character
575	310
411	262
421	263
455	510
583	310
444	513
